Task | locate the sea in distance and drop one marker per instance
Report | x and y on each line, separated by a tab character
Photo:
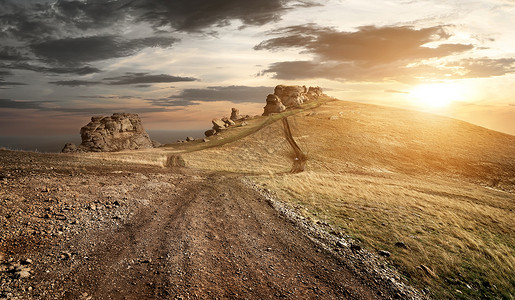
55	143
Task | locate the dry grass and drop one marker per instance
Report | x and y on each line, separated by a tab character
444	187
463	232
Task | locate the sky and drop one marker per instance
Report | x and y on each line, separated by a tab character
180	63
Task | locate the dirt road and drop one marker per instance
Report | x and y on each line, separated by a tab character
108	233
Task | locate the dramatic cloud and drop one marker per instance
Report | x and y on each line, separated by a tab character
197	15
70	51
8	103
39	105
369	45
84	70
369	54
236	94
10	54
139	79
75	82
485	67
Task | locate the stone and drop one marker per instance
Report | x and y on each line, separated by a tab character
333	118
401	245
24	273
384	253
156	144
291	96
228	122
235	114
205	140
69	147
355	247
190	139
218	124
243	123
314	93
210	132
273	105
121	131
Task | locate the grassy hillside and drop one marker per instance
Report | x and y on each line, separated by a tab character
443	188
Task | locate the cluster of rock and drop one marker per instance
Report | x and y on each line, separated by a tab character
118	132
123	131
222	124
290	97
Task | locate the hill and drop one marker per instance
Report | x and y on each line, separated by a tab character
434	196
440	189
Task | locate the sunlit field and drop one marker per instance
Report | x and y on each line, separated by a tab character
442	187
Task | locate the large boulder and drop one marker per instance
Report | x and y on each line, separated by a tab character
69	147
291	96
314	93
120	131
235	114
218	125
273	105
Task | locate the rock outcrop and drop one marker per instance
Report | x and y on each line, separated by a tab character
273	105
235	114
120	131
224	123
290	97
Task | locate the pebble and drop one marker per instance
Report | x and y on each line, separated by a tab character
401	245
355	247
384	253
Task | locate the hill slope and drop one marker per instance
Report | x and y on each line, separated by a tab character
443	190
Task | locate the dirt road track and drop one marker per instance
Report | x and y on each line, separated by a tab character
216	238
127	232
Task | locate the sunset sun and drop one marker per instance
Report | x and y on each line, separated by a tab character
436	95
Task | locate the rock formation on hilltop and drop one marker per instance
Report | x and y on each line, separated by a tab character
273	105
118	132
290	96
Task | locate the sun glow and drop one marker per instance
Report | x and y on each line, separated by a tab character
436	95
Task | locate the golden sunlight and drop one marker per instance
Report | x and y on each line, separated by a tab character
436	95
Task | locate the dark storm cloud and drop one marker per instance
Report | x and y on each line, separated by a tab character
38	105
142	78
197	15
8	103
84	70
369	45
236	94
10	54
139	79
10	83
93	13
39	21
74	83
70	51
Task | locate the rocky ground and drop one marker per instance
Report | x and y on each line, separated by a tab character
89	230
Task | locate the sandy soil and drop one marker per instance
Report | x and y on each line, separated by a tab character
83	230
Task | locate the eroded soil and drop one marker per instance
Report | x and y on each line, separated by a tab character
121	232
